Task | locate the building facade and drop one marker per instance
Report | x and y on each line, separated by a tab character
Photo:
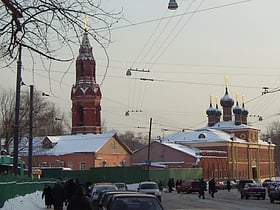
248	156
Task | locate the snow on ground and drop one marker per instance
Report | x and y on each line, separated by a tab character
34	201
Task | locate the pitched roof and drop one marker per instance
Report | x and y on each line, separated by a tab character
69	144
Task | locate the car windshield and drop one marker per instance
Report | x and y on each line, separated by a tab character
135	203
148	186
100	188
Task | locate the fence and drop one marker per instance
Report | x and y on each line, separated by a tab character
11	186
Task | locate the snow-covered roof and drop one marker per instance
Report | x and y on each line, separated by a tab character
229	125
202	135
69	144
192	151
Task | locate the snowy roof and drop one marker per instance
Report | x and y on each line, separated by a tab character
202	135
185	149
70	144
229	125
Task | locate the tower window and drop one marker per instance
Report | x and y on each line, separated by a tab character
80	116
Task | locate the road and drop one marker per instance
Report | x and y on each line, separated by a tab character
223	200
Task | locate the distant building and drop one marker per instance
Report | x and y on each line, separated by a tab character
224	149
78	152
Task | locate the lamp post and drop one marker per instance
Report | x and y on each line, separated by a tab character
30	142
16	124
149	148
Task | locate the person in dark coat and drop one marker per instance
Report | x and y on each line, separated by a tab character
79	201
169	185
70	188
47	194
228	185
212	187
58	195
202	188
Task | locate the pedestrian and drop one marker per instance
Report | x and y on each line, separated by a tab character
47	194
160	185
228	185
169	185
212	187
202	188
79	200
58	195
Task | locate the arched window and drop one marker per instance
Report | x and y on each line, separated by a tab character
80	116
202	136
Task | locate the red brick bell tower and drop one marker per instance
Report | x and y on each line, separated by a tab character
86	93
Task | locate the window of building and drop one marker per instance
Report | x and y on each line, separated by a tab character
82	166
70	165
80	116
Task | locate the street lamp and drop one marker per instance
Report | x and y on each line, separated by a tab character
172	5
128	72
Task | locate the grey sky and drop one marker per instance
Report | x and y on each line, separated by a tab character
188	55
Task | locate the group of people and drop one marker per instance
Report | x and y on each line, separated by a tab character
71	193
212	187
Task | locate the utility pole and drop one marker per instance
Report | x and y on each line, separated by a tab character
149	147
30	142
16	124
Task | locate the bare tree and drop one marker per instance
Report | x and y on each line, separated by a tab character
47	120
273	135
46	26
132	141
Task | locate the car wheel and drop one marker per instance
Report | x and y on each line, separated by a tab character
241	196
247	197
271	201
263	197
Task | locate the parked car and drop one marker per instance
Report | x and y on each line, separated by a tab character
188	187
134	201
274	193
98	188
253	190
149	188
108	195
241	183
121	185
266	182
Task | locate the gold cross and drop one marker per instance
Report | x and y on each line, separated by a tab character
86	23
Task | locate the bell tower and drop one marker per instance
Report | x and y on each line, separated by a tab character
86	94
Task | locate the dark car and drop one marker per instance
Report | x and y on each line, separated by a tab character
253	190
133	202
274	193
188	187
108	195
100	187
241	183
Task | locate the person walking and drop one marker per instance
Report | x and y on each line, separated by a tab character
79	200
47	194
58	195
202	188
212	187
228	185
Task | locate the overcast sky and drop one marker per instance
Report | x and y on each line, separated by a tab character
188	53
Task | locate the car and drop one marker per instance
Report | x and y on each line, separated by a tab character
149	187
121	185
274	193
241	183
266	182
188	187
107	196
134	202
253	190
100	187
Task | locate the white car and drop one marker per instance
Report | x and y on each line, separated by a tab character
149	188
